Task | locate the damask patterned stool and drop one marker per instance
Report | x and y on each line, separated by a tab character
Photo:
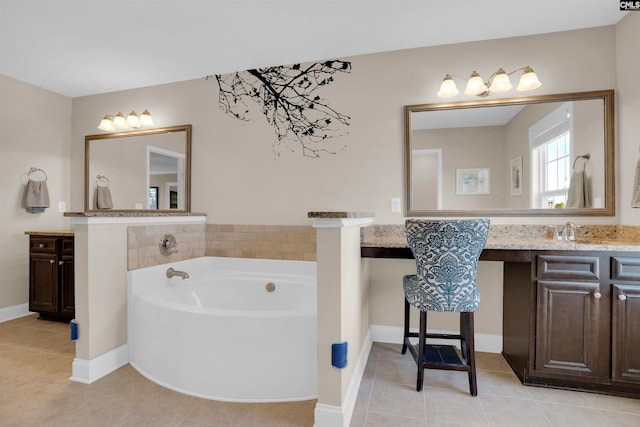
446	254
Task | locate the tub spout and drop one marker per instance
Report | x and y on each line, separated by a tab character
171	272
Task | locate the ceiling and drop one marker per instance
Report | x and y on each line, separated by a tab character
85	47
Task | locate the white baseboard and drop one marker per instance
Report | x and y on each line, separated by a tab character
14	312
333	416
393	334
88	371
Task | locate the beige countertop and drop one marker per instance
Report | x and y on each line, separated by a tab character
521	244
53	233
524	237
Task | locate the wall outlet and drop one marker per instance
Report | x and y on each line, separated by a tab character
395	205
62	206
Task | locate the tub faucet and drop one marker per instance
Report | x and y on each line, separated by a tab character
171	272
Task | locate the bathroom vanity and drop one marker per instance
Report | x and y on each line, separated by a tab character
51	275
571	311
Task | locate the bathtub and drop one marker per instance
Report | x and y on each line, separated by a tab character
221	334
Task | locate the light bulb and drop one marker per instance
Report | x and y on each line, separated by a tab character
133	120
475	85
119	122
106	123
500	82
145	118
448	88
528	80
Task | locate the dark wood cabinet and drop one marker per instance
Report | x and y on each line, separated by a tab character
51	281
580	312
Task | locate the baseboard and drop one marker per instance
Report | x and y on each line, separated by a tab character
332	416
393	334
88	371
14	312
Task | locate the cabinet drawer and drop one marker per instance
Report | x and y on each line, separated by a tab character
67	246
43	244
569	267
625	268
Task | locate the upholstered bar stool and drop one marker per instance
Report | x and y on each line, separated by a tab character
446	254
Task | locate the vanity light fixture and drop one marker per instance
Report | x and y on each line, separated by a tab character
133	120
498	83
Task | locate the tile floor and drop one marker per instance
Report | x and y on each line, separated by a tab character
35	364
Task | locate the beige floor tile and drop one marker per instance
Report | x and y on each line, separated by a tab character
397	399
217	414
290	414
449	406
568	416
567	397
385	420
396	371
509	412
501	384
622	419
614	403
36	357
491	362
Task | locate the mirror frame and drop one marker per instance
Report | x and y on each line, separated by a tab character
609	140
171	129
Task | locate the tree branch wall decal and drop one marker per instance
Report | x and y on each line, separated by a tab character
287	96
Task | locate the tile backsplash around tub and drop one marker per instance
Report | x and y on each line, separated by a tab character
288	242
143	244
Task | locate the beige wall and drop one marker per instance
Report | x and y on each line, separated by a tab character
237	178
35	130
628	106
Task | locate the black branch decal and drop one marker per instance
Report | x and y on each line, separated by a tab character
287	96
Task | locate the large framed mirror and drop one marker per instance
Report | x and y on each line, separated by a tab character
142	170
529	156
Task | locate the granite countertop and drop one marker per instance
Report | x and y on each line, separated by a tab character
56	233
591	238
341	214
130	213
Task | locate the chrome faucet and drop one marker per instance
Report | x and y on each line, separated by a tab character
171	272
569	231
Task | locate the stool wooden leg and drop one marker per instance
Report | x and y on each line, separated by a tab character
471	353
406	326
422	334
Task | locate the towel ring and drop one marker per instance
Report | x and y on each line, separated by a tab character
101	179
33	169
585	157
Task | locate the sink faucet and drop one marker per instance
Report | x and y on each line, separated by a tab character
566	231
171	272
569	231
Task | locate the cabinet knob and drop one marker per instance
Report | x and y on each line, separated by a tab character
60	262
622	297
51	261
41	245
597	295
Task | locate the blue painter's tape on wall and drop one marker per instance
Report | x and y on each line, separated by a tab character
339	355
73	329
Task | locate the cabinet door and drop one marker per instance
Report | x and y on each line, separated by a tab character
626	330
67	295
568	315
43	283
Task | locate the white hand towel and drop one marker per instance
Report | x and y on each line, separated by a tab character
37	196
635	199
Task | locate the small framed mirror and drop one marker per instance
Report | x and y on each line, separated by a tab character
529	156
142	170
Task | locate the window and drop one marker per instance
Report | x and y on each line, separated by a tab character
550	142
